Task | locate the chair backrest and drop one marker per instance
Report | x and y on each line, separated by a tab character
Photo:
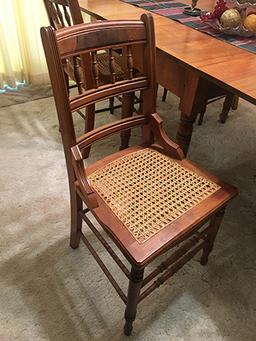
136	38
63	13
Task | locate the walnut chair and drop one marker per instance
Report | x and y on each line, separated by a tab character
148	198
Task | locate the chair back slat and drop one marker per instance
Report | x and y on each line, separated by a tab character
100	133
67	16
106	91
63	13
60	16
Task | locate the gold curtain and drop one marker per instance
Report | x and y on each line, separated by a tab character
21	52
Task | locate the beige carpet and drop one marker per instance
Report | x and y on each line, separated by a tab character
51	292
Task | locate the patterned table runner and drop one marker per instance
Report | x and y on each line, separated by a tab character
174	10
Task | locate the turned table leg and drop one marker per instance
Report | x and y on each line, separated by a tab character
184	132
191	103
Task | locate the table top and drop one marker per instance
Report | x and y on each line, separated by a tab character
216	60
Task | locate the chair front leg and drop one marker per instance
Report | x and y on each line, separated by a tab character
136	277
215	225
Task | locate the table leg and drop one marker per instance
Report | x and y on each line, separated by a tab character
192	102
184	132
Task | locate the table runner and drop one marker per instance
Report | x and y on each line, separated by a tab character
174	10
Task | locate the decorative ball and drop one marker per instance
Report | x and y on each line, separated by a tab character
230	18
250	22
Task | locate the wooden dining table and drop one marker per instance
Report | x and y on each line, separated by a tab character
189	63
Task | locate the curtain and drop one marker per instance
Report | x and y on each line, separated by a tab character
21	52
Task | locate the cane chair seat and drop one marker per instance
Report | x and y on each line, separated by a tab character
150	197
146	181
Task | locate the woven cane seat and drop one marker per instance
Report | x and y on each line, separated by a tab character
148	190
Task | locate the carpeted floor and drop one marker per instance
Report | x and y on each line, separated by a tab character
50	292
23	94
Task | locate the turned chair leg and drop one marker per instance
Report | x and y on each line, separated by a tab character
136	277
76	220
164	95
111	105
215	225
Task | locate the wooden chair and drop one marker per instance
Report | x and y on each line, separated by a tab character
147	198
215	93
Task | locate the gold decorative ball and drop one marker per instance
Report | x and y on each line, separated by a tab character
250	22
230	18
